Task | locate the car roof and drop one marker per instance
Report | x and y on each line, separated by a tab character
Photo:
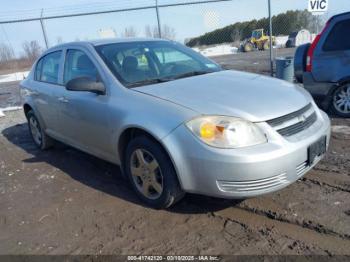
105	41
339	15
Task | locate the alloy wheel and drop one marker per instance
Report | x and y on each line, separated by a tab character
35	130
341	99
146	174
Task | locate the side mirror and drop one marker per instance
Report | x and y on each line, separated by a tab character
86	84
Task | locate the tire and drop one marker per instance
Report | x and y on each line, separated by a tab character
248	47
289	44
151	173
340	101
266	45
39	137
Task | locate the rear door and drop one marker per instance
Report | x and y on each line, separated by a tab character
46	80
331	61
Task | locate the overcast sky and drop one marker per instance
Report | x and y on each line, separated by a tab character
188	21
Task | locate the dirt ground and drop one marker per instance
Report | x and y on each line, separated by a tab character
255	62
63	201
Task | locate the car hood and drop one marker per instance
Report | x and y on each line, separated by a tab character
232	93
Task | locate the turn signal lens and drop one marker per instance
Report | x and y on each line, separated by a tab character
207	130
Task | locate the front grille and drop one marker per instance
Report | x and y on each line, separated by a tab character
253	185
295	122
298	127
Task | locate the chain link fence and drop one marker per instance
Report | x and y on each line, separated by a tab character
232	32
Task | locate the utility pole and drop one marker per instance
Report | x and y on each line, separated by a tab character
158	20
43	29
271	44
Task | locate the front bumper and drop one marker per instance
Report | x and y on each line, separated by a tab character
244	172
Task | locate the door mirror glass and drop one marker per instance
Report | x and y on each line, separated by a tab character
86	84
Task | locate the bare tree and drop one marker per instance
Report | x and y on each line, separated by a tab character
129	32
167	32
32	50
6	53
148	31
236	35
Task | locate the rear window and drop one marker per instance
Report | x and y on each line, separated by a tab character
339	38
48	67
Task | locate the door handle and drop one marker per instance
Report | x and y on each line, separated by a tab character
63	100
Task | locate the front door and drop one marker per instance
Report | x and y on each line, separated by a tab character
84	115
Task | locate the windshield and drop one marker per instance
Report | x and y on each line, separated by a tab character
150	62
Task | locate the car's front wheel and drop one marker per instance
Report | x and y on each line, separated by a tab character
341	101
151	173
39	137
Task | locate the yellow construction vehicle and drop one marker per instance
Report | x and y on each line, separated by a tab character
258	41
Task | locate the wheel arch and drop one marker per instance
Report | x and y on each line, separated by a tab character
29	107
133	131
343	81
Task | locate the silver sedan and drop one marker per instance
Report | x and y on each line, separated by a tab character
174	120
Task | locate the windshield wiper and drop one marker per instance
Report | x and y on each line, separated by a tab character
167	79
189	74
148	82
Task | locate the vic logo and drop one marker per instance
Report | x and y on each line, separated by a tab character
318	5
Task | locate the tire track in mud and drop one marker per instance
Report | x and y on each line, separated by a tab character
297	213
319	228
274	211
266	224
320	182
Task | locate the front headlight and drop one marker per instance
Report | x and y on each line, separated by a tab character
226	132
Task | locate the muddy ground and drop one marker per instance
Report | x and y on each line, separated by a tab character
63	201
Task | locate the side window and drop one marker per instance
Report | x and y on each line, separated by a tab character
170	55
78	64
339	37
47	68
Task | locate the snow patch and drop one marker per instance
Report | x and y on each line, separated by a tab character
281	41
216	50
7	109
18	76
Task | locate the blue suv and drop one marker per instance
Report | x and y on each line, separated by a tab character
324	66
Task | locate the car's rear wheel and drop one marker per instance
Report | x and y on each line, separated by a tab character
151	173
38	135
341	101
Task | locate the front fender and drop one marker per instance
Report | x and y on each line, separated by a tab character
152	115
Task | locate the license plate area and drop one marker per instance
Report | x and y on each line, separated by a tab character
316	149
